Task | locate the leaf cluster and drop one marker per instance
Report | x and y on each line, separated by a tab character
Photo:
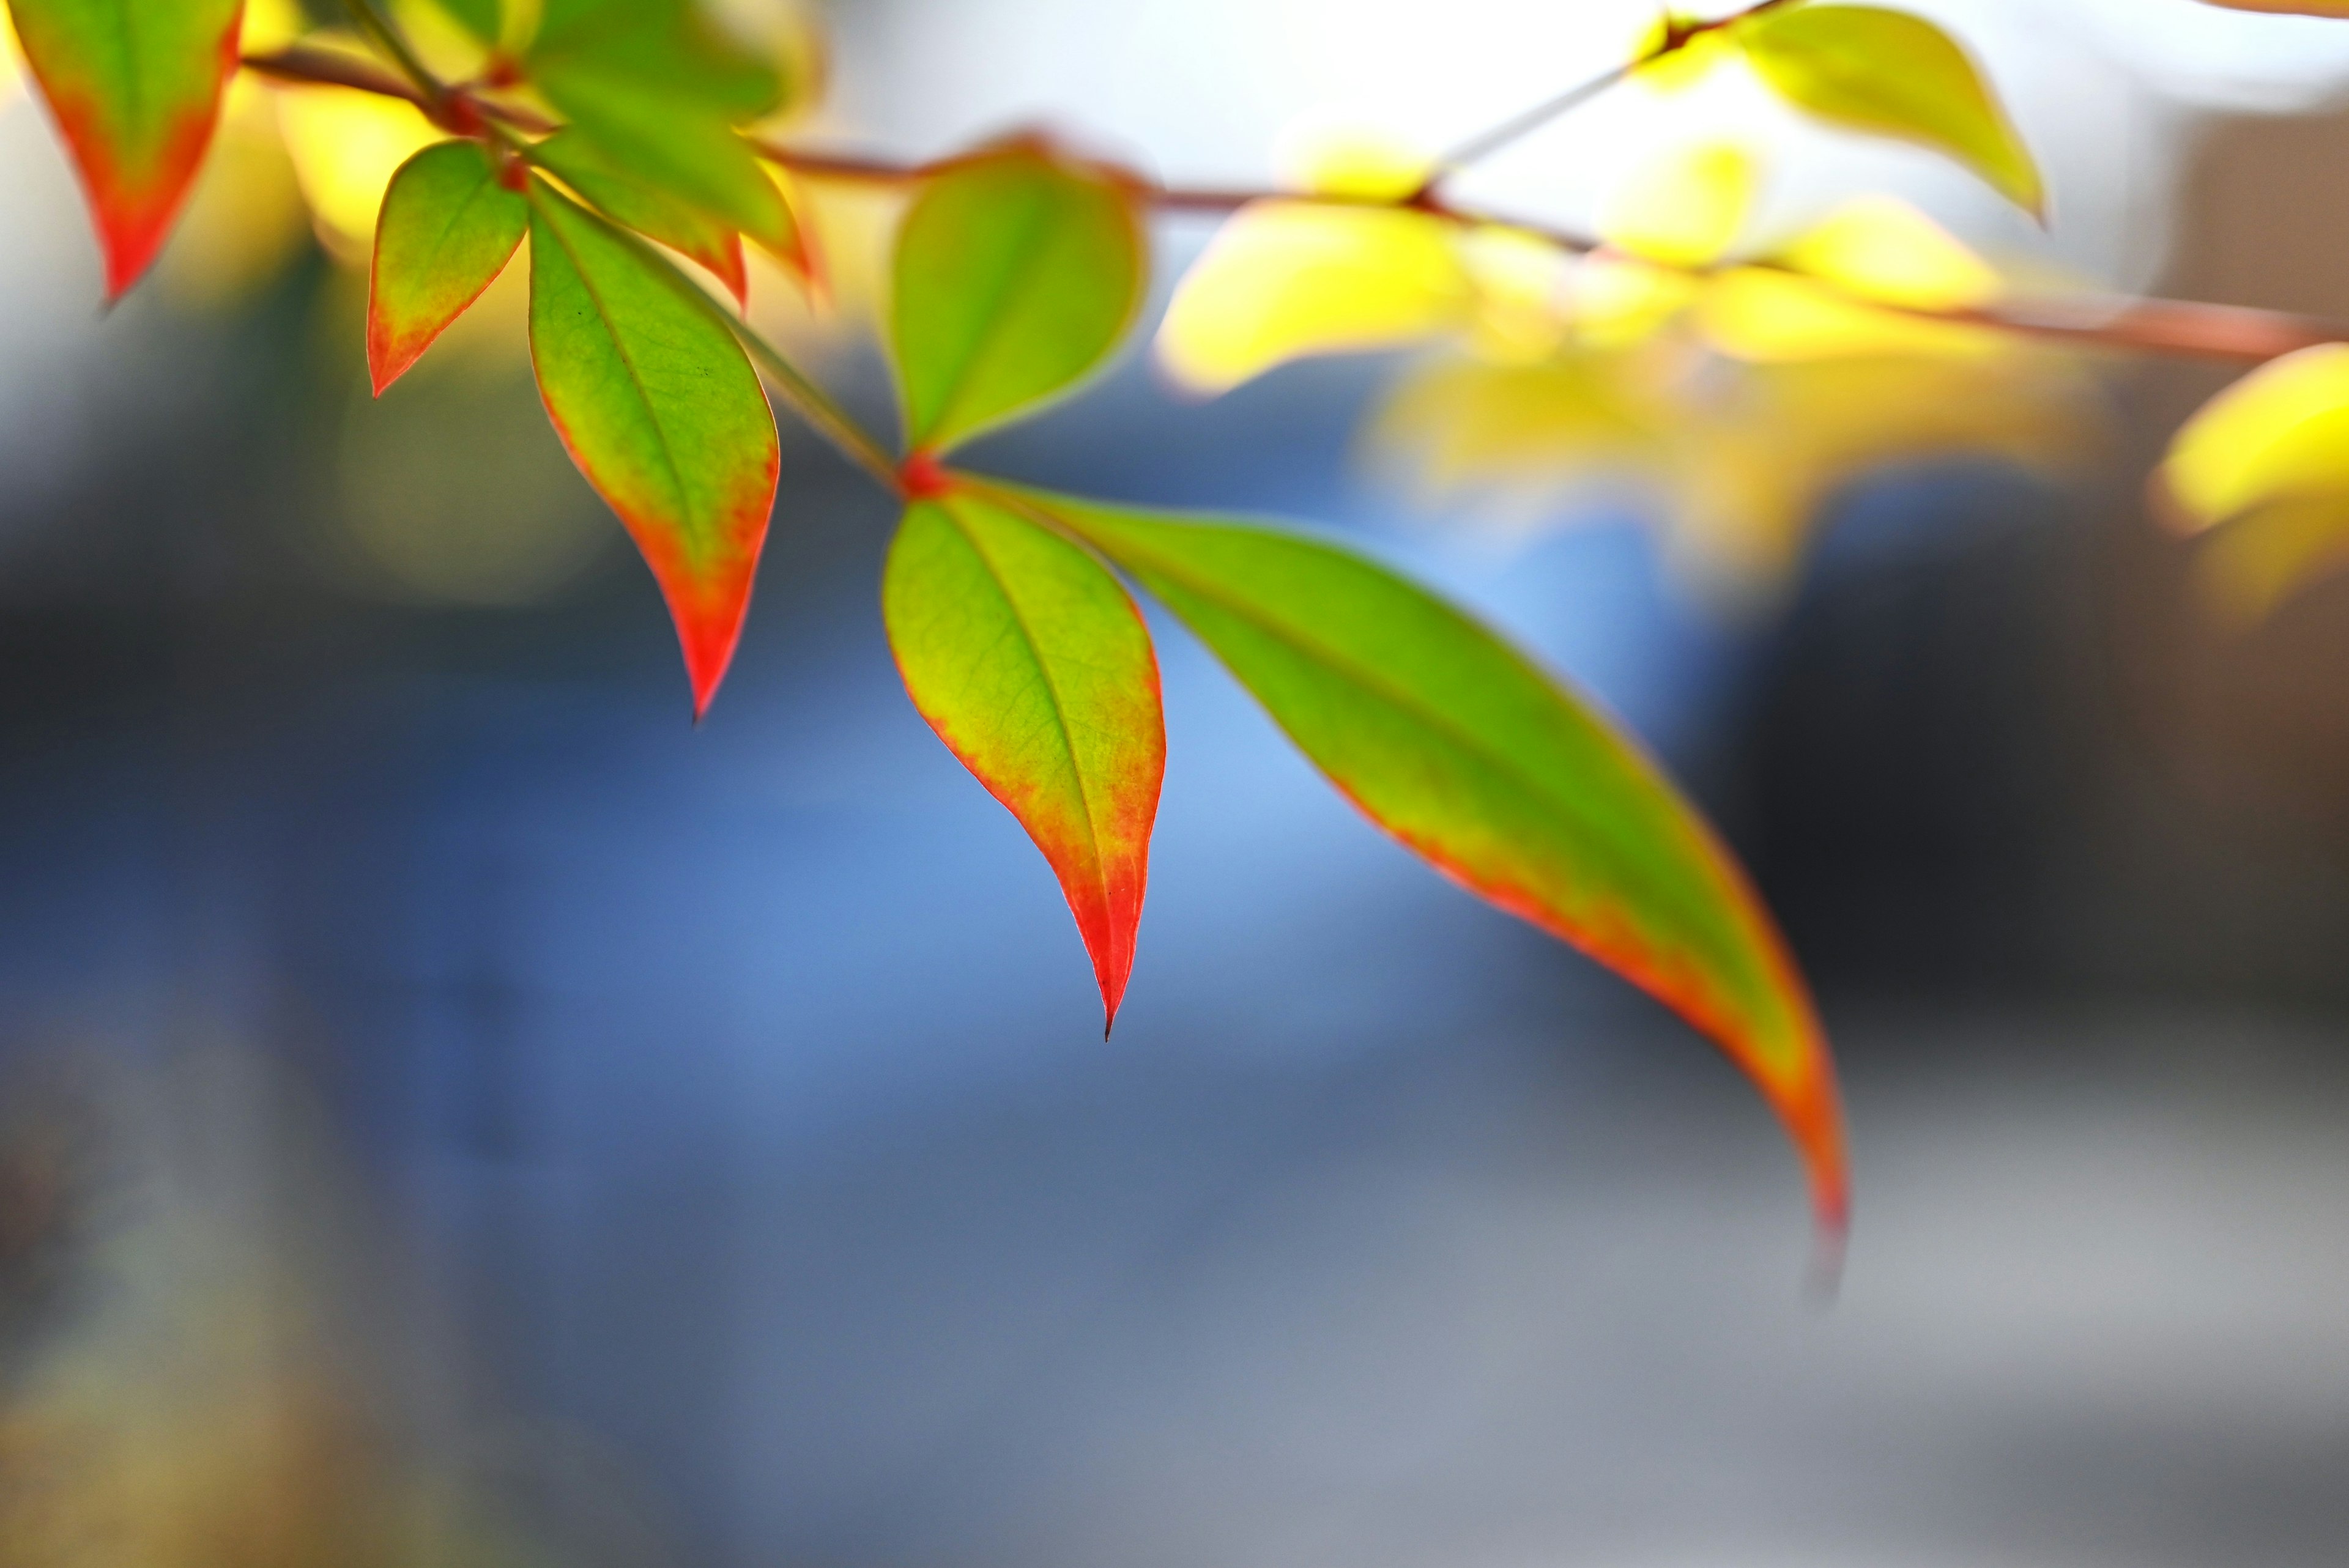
624	146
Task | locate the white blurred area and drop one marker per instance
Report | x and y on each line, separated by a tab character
2104	90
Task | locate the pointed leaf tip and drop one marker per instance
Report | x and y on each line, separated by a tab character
1888	73
1500	776
134	87
1031	663
450	225
657	404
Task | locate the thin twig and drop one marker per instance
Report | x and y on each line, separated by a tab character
387	37
325	67
2140	325
1517	128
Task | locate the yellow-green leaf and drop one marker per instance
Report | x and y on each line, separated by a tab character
1891	73
2281	433
633	202
1031	663
657	89
1017	272
1282	280
1500	776
449	227
652	393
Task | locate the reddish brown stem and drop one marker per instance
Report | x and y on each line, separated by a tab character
325	67
2140	325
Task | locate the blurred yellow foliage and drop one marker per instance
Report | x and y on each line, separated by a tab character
1743	458
1745	393
2269	460
1687	210
1683	68
1283	280
345	147
12	67
2280	434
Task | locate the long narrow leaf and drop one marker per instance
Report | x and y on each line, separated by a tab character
1468	753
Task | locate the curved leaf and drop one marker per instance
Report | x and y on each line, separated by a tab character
135	87
1891	73
657	89
483	18
449	226
1016	275
1283	280
1032	665
634	202
2280	434
659	406
1459	746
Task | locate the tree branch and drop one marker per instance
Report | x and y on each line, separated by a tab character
2138	325
1675	38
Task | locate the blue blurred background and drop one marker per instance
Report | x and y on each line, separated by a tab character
452	1110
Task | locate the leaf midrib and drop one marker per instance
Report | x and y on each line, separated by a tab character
1052	690
636	379
1477	750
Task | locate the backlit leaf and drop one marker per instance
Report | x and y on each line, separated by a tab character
1687	210
1463	750
657	89
1031	663
449	227
135	87
1743	463
659	406
1881	248
634	202
479	17
1284	280
1890	74
2281	433
1016	275
1760	314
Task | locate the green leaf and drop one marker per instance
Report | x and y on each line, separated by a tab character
1016	275
669	145
654	396
657	89
449	227
479	17
637	203
1463	750
1033	667
664	49
135	88
1890	74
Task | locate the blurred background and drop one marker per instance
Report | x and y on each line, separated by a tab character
453	1111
